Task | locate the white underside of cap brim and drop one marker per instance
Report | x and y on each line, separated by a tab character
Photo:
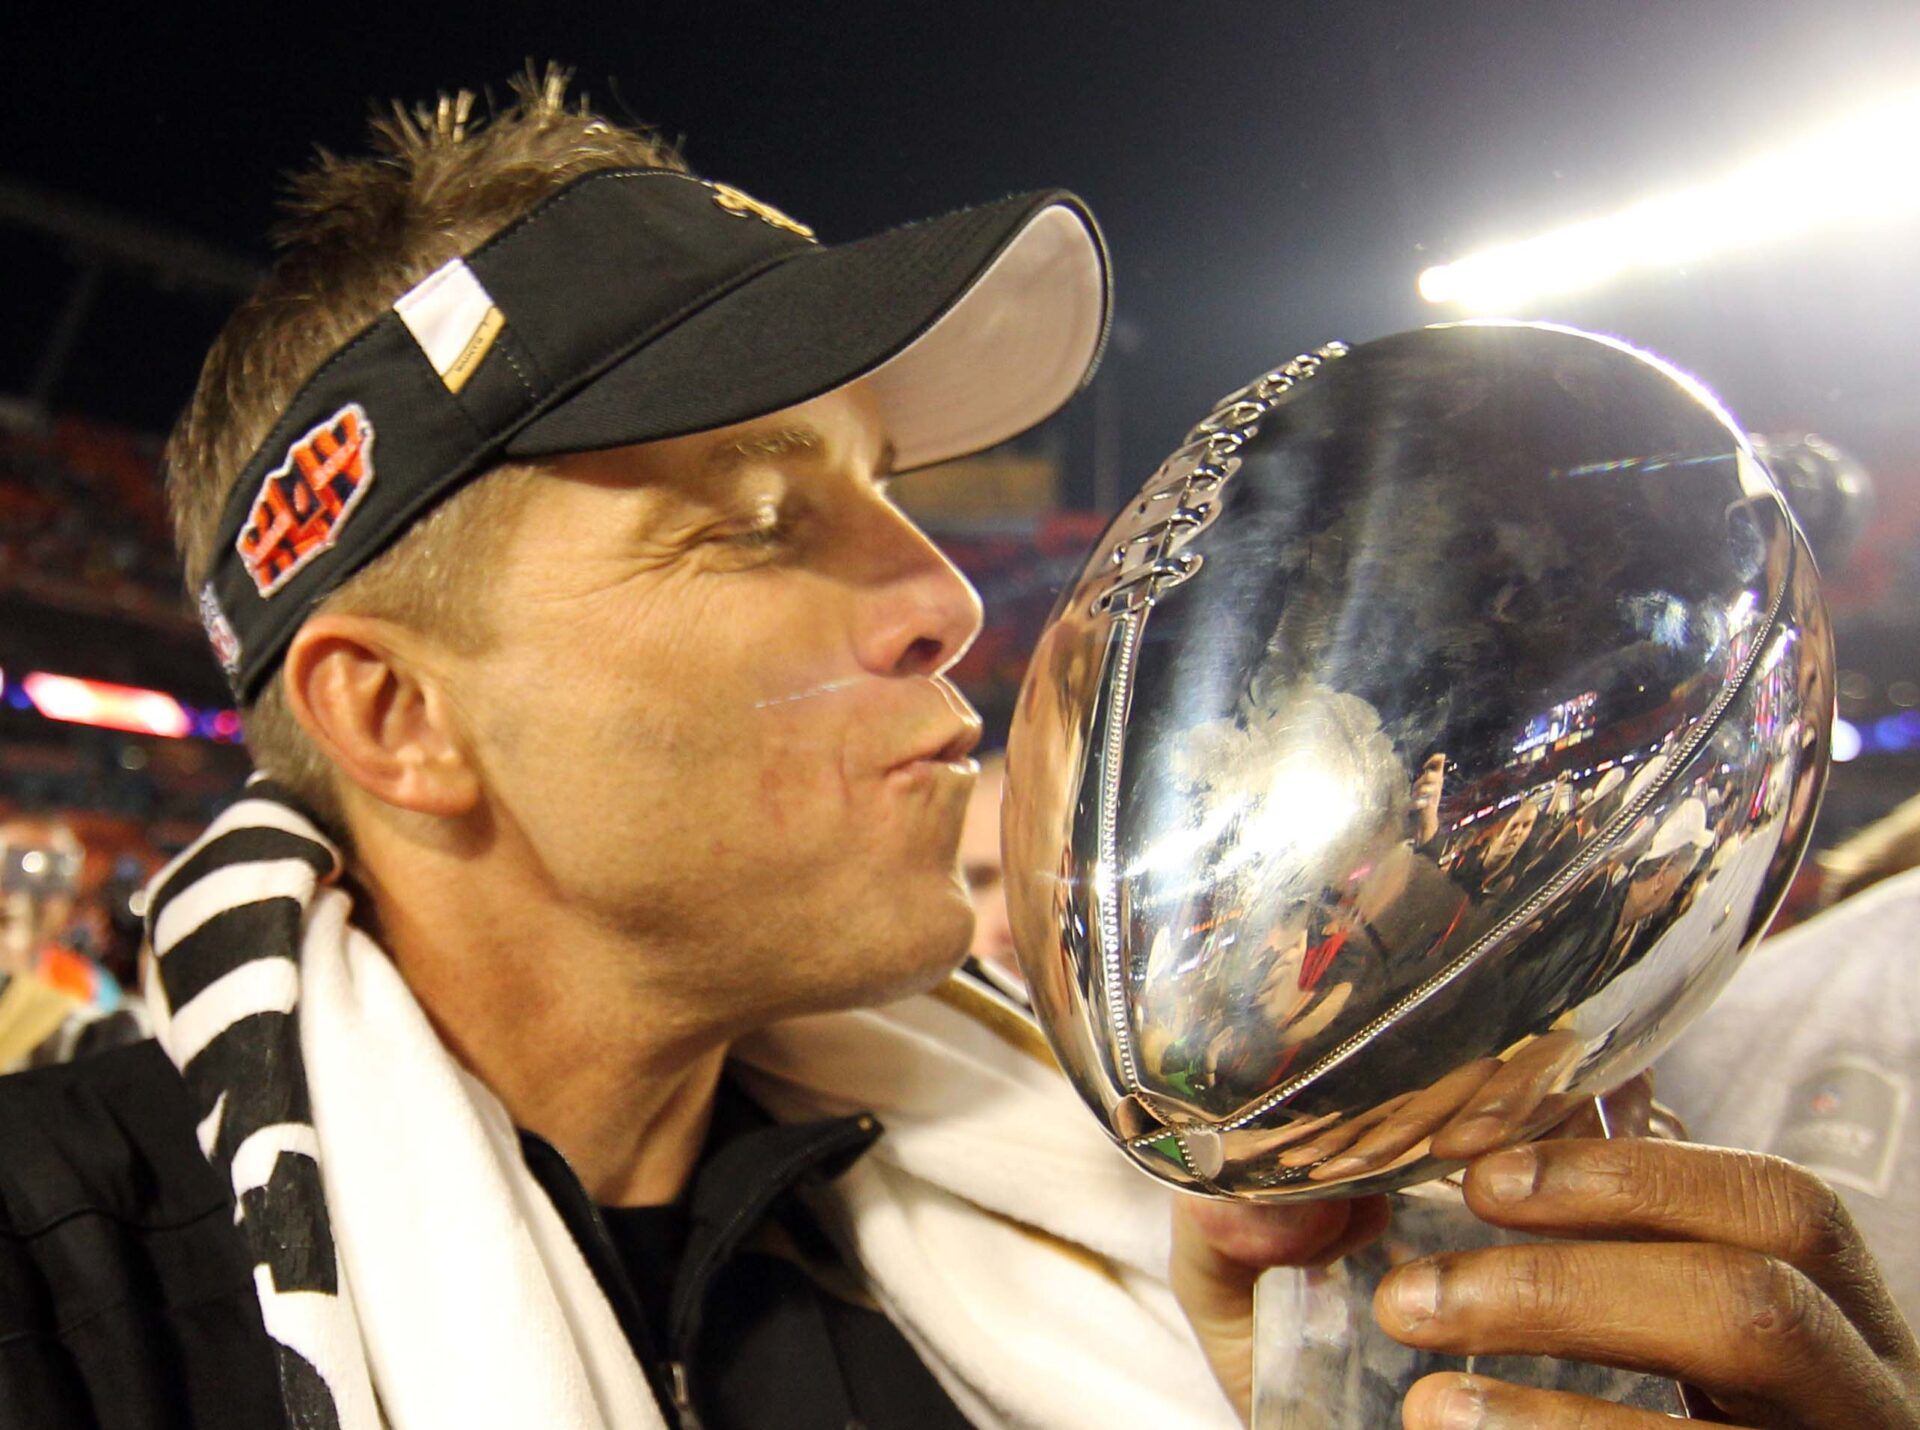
1014	347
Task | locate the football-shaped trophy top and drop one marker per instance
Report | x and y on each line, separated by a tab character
1413	756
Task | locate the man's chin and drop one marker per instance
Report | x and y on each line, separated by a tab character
922	978
918	965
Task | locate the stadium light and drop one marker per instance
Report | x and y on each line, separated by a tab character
1859	169
107	706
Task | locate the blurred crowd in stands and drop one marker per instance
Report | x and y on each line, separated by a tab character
83	519
89	588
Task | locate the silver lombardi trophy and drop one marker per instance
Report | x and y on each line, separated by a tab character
1417	752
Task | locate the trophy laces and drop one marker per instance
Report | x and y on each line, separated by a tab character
1180	500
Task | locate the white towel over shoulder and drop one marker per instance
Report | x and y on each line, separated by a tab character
1021	1254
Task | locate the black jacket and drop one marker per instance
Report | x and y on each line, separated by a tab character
126	1300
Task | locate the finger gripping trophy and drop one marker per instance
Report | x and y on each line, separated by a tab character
1416	753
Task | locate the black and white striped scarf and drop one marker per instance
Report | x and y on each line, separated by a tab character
287	1024
224	921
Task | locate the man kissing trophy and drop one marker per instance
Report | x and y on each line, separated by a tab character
1416	754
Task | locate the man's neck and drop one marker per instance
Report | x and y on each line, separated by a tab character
630	1125
620	1085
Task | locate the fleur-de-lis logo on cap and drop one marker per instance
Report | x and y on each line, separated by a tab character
747	206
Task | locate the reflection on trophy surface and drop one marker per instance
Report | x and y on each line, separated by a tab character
1418	751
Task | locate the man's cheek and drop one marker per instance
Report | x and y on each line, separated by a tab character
787	780
776	794
797	756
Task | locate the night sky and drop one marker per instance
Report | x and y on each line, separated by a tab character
1269	175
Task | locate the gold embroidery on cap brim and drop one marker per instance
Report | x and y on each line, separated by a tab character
746	206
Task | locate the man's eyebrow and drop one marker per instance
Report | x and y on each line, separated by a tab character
724	456
799	439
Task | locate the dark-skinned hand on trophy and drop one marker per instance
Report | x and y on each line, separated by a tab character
1420	749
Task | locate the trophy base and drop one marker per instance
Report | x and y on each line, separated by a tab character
1323	1363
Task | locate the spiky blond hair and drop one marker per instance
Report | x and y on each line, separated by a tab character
355	234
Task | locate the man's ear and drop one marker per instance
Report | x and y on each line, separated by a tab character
358	688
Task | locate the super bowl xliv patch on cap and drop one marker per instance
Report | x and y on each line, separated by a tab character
304	503
631	306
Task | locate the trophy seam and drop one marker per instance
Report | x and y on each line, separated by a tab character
1247	407
1603	845
1111	958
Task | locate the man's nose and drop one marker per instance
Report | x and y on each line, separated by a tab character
920	613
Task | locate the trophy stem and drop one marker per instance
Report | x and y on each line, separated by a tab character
1321	1361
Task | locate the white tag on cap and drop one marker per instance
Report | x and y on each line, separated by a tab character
453	319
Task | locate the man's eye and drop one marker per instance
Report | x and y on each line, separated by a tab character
770	534
768	526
